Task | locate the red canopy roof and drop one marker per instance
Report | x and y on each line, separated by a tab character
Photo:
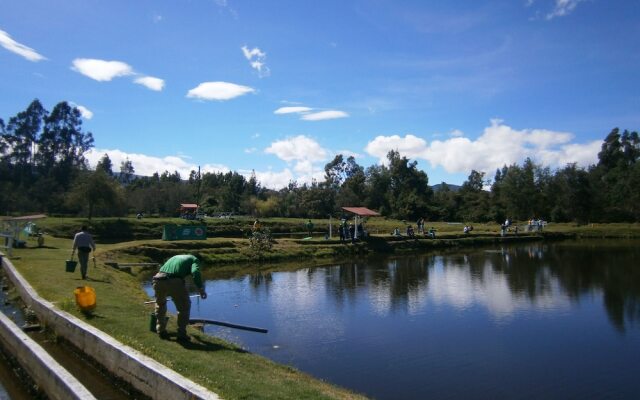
361	211
187	205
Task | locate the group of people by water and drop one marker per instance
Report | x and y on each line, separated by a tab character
411	233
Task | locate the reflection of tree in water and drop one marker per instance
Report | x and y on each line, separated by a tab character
531	271
579	268
523	268
399	276
261	278
607	265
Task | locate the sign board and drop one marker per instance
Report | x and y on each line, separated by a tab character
184	232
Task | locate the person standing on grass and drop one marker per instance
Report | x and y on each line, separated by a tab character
310	227
169	281
83	242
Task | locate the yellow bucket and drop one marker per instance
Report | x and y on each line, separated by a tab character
85	298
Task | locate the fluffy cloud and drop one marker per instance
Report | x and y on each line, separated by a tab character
274	180
410	146
322	115
498	145
104	71
101	70
299	148
256	58
305	152
18	48
150	82
148	165
218	91
292	110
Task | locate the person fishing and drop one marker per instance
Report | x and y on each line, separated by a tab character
170	281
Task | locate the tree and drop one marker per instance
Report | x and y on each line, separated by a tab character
23	131
573	198
409	192
126	171
62	144
105	165
473	201
96	190
444	204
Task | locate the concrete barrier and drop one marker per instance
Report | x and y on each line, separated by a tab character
143	373
50	376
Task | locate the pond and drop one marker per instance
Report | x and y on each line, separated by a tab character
532	321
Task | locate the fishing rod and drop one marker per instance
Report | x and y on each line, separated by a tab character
227	324
220	323
169	298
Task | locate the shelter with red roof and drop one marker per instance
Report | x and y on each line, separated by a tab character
359	213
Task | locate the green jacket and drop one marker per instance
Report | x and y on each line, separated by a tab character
183	265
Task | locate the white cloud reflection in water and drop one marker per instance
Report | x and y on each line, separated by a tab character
297	302
456	286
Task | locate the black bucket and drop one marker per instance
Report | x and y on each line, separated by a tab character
71	266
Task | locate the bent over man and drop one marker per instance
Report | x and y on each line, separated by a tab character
170	282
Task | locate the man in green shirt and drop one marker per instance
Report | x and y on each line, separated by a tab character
170	282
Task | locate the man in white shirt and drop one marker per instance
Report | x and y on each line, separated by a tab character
83	242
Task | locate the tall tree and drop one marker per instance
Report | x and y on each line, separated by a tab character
63	144
127	171
93	190
105	165
473	201
409	191
22	135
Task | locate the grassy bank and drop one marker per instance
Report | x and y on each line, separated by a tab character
213	363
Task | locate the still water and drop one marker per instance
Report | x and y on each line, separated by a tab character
530	321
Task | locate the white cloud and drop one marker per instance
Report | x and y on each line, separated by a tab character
18	48
299	148
456	133
308	113
409	146
101	70
84	111
150	82
148	165
307	154
562	8
292	110
323	115
256	58
349	153
274	180
218	91
498	145
250	150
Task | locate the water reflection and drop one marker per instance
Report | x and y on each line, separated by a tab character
527	321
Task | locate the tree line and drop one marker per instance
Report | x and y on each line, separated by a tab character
43	169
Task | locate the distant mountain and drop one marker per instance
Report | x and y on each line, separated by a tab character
453	188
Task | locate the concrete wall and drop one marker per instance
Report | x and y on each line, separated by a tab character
143	373
50	376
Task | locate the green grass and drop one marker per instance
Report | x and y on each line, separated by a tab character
120	312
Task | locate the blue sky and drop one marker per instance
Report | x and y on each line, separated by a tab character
282	86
